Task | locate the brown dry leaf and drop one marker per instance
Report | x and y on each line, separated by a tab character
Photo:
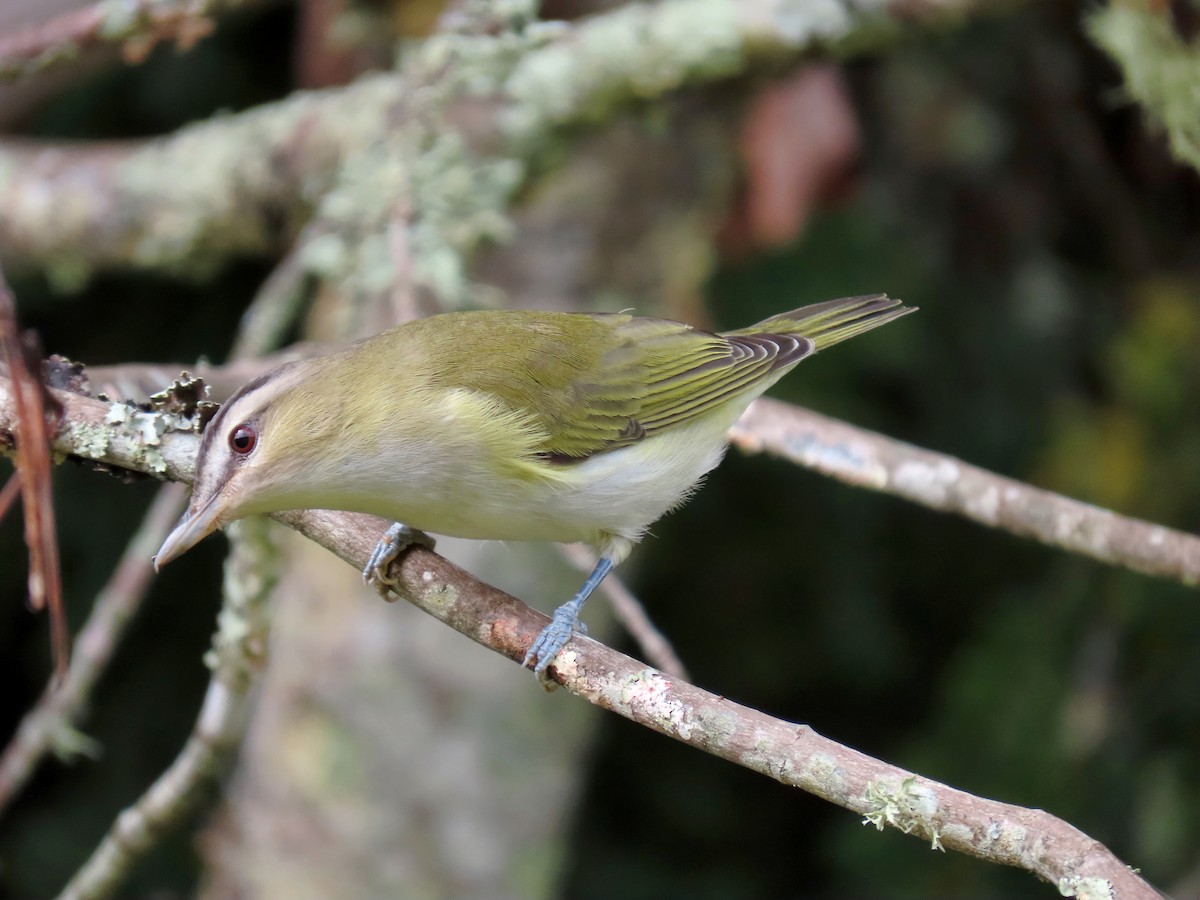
33	461
799	145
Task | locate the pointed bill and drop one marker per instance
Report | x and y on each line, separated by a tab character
192	528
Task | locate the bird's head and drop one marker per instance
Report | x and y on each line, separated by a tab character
244	465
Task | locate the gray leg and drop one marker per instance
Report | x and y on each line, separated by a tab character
395	541
564	622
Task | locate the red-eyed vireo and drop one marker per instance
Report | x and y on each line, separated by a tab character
503	425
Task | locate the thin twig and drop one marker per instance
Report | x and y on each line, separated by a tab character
866	459
51	724
238	657
274	309
9	494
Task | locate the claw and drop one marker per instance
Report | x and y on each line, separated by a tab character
398	538
552	638
564	623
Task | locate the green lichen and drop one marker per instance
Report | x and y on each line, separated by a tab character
90	441
142	432
441	600
907	806
630	53
1162	71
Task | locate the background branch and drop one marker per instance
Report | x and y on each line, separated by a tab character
238	656
866	459
137	25
51	725
254	178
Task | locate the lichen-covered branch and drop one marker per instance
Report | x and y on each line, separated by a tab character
233	186
866	459
452	139
1161	68
51	725
136	25
792	754
237	658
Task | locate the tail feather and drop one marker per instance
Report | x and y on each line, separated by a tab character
833	321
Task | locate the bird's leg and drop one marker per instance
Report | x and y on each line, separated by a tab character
565	621
395	541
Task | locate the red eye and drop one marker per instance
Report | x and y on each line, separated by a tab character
243	438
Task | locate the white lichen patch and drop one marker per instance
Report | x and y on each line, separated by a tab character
650	693
1086	888
90	441
907	806
142	430
847	461
930	483
984	506
142	433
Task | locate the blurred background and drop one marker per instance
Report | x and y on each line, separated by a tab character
991	170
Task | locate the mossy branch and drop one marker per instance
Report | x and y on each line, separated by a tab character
245	184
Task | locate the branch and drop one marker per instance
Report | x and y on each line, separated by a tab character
137	25
865	459
185	204
237	658
362	152
792	754
21	353
51	724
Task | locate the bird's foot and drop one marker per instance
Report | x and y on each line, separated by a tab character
564	623
553	638
395	541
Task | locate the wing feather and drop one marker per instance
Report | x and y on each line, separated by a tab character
590	383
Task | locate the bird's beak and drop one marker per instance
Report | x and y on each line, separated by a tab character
195	525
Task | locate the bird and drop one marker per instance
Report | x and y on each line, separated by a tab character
512	425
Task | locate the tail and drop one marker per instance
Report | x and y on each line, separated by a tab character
832	322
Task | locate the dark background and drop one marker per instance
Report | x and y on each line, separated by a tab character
1051	244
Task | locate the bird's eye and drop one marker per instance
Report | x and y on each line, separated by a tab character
243	438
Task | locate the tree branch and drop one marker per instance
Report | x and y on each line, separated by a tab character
51	724
792	754
359	153
866	459
237	659
137	25
250	182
